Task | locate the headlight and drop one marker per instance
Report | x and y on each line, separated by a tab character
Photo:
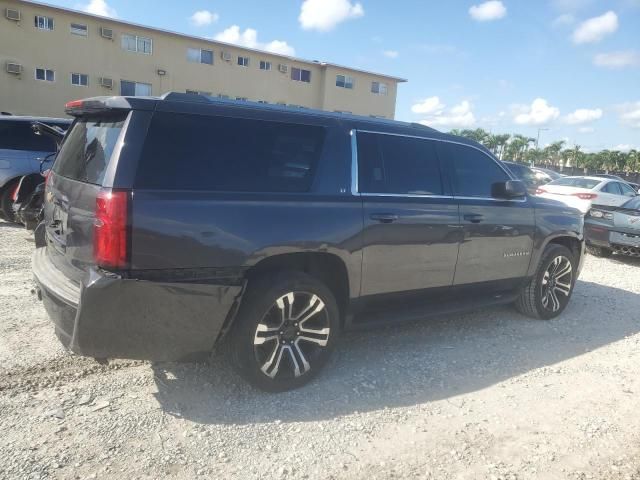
608	216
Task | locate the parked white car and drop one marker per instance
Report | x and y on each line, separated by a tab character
582	192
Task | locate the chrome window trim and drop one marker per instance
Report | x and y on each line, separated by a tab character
354	170
354	163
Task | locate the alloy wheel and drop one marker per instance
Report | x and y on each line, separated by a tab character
292	335
556	283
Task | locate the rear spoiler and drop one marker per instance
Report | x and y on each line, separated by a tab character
89	106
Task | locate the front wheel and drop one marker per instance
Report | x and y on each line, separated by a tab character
284	332
548	292
6	201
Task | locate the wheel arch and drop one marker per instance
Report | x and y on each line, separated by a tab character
570	240
326	267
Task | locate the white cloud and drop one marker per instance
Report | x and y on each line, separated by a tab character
596	28
624	147
630	114
539	113
488	11
563	20
621	59
100	7
202	18
586	130
431	105
249	39
390	53
583	115
459	116
324	15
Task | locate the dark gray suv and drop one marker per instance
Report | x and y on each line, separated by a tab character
174	224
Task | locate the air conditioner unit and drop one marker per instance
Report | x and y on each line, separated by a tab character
14	68
283	68
106	82
226	56
12	14
106	33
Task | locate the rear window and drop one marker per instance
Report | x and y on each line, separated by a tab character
191	152
87	149
19	136
576	182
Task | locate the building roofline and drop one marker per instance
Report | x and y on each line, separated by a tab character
208	40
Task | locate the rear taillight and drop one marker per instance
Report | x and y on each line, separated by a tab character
585	196
540	191
111	229
46	174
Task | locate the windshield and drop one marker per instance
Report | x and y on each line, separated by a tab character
577	182
87	149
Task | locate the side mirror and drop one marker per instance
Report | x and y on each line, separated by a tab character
508	190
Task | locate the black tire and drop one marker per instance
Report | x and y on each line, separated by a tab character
267	303
535	299
599	251
6	202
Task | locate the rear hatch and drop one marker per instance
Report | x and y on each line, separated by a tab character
73	187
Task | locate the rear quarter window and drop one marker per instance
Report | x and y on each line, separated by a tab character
193	152
19	136
87	149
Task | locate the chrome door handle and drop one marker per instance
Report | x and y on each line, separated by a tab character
473	217
384	217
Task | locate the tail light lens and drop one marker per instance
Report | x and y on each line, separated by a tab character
585	196
540	191
111	229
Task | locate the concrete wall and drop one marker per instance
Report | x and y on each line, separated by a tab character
65	53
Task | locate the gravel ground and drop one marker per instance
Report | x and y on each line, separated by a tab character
490	394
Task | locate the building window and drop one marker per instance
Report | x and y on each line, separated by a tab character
45	74
198	92
198	55
134	89
79	29
242	99
264	65
243	61
300	75
379	88
44	23
80	79
134	43
344	81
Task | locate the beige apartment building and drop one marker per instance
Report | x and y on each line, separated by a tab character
50	55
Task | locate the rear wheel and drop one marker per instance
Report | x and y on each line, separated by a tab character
6	201
549	291
599	251
284	332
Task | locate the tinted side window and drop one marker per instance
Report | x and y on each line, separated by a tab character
473	171
19	136
627	189
191	152
613	188
395	164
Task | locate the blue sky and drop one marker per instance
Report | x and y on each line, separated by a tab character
569	66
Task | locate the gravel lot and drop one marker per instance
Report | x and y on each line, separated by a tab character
489	394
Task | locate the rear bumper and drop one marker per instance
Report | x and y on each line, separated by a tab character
110	317
599	235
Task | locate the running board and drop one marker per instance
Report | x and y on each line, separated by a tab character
382	318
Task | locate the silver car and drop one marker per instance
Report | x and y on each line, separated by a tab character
21	151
